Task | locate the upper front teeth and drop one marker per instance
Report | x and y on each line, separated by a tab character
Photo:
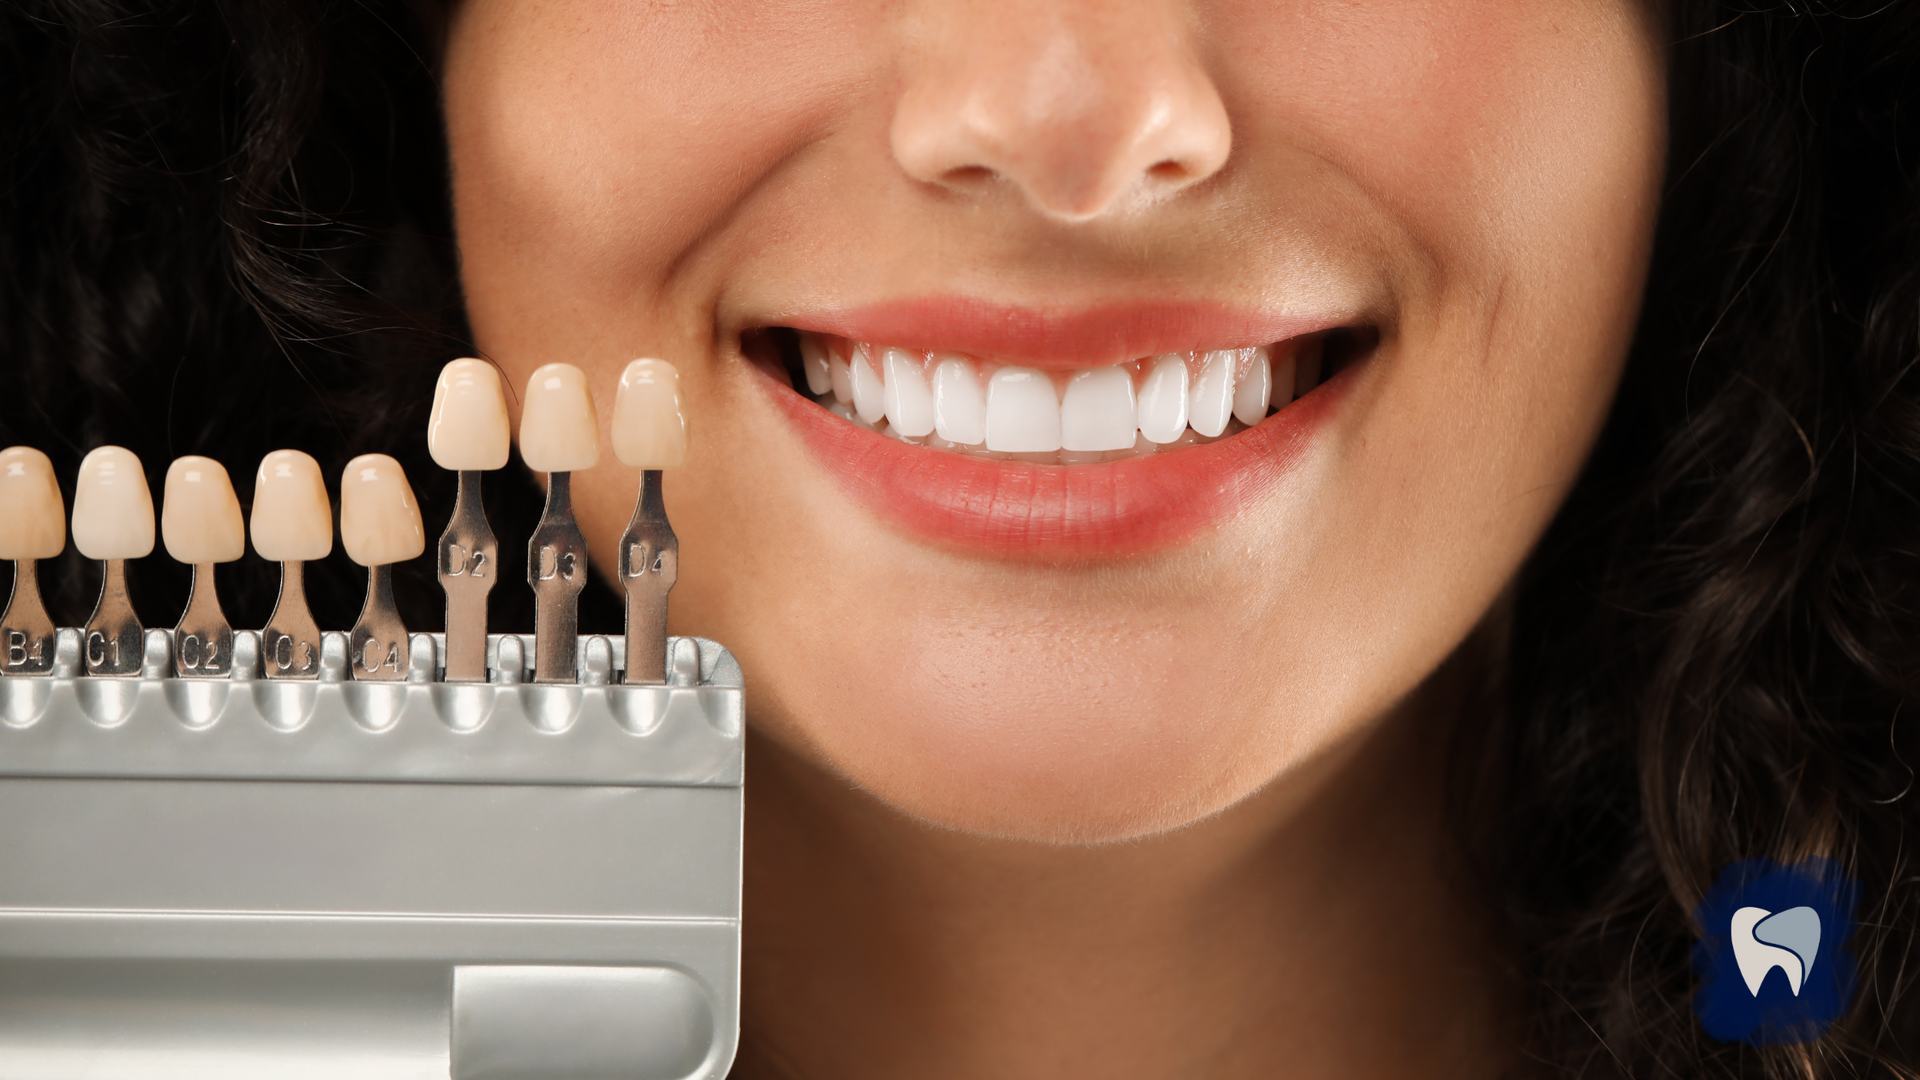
1027	410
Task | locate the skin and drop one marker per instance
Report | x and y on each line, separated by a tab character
1171	814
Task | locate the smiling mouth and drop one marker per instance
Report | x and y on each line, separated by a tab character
993	410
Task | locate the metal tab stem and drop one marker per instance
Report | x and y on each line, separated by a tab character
557	570
469	562
203	640
377	646
26	633
290	645
115	643
649	565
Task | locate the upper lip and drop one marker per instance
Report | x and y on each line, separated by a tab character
1063	337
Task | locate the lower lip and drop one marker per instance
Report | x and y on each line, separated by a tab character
1014	510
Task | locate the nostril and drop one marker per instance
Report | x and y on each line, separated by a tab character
1169	172
968	175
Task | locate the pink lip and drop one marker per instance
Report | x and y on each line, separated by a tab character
1079	512
1079	337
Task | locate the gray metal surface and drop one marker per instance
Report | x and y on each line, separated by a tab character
371	880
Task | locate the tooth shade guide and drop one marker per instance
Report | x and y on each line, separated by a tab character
469	428
649	424
200	517
112	506
292	518
559	427
33	516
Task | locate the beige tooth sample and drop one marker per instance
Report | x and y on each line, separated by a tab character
201	524
292	520
112	508
650	434
379	526
200	517
33	517
33	526
292	524
379	518
113	522
468	430
559	430
649	424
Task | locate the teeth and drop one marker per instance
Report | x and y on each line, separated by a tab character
869	397
1254	392
292	520
1163	399
909	399
33	518
112	508
559	430
468	430
200	517
841	380
649	425
1098	411
379	519
959	406
813	360
1023	415
1210	405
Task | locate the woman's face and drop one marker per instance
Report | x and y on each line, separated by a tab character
1446	205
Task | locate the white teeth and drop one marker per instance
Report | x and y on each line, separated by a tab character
112	508
813	360
840	380
1097	412
1210	405
200	518
1163	399
33	518
959	407
1023	415
909	400
1254	391
869	397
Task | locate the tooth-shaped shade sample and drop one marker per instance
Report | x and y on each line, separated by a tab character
469	430
869	397
813	361
1163	399
1210	404
1023	415
559	430
292	520
1097	411
959	405
1254	390
112	508
649	426
379	519
200	516
909	399
33	517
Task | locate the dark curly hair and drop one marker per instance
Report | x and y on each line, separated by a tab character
224	228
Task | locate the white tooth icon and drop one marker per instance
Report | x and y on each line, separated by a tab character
1763	940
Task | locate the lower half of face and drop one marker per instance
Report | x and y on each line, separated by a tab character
1098	411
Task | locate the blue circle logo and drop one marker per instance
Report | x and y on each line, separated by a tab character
1771	959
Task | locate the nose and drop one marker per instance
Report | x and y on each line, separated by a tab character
1086	107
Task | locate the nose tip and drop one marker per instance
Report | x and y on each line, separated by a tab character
1084	119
